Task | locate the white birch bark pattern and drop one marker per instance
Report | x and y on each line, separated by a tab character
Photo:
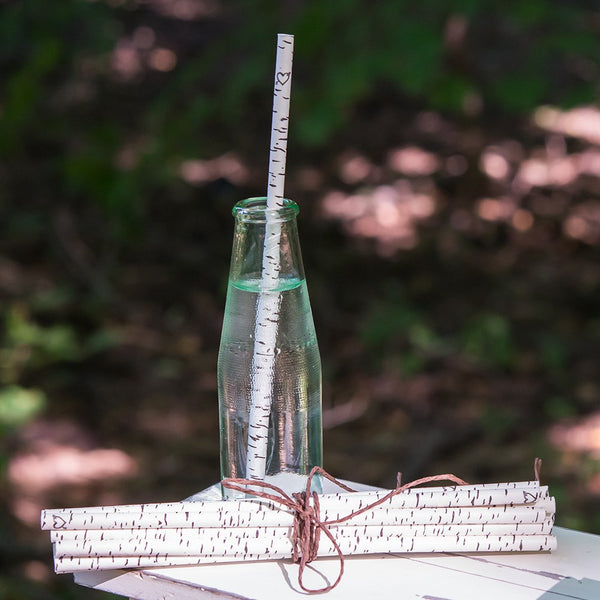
513	517
267	309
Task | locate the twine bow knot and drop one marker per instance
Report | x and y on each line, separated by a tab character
308	525
307	528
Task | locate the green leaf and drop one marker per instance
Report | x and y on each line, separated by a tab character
19	405
49	344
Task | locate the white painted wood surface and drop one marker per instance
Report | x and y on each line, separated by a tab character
572	572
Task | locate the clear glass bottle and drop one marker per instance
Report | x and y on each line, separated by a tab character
290	380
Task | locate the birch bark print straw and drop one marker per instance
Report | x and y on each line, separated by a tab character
281	548
333	506
77	537
267	309
274	518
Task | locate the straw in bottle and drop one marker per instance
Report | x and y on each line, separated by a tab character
265	335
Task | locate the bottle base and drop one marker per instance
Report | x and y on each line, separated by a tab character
290	483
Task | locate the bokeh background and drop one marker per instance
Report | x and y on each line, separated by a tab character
446	159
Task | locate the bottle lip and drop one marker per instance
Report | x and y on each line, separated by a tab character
255	210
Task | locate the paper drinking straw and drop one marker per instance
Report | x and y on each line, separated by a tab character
282	546
438	498
265	512
221	541
524	492
252	504
267	310
279	124
534	513
68	564
74	539
281	549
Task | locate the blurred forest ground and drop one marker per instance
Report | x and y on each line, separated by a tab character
446	159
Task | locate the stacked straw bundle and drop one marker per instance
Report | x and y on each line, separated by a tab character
502	517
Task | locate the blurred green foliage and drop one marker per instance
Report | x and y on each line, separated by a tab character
42	47
19	405
59	94
29	345
487	338
395	327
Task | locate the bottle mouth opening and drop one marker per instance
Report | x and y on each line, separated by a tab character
255	210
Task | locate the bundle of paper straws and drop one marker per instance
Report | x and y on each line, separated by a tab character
507	517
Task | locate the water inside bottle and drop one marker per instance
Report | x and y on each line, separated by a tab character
294	440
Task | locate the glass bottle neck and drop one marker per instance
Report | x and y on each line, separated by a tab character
266	250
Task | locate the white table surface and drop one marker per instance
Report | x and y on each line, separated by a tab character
571	572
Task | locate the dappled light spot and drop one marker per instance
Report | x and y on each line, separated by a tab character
162	59
472	104
11	278
36	570
34	475
228	166
354	168
504	210
413	161
496	209
116	3
309	179
134	54
540	172
579	436
583	223
429	121
576	227
522	220
494	164
563	171
554	170
385	213
349	411
589	162
582	122
128	156
27	509
593	485
344	207
144	37
186	10
197	172
455	31
67	465
125	61
55	455
511	150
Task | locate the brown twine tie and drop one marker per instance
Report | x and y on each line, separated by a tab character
308	525
537	468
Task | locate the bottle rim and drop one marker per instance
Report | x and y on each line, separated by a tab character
255	210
